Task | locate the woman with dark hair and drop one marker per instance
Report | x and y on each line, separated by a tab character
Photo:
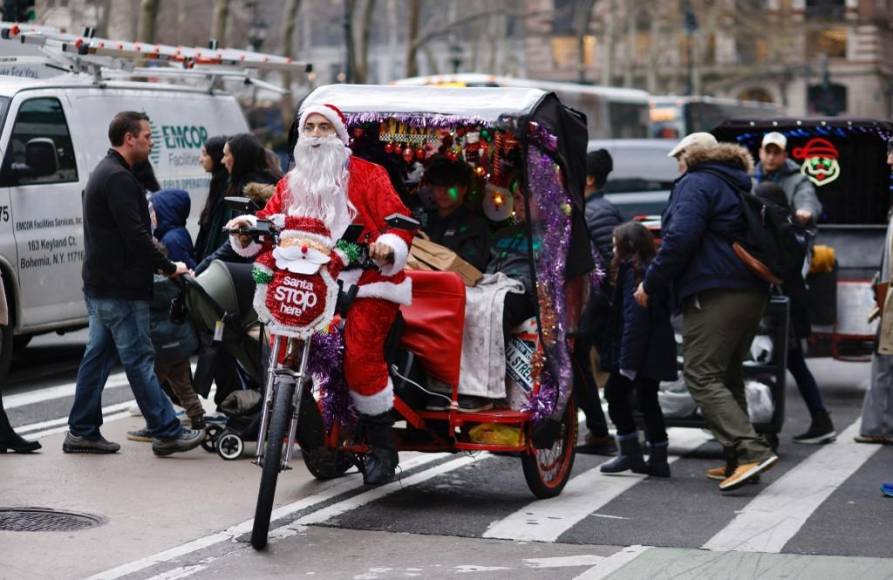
640	351
213	216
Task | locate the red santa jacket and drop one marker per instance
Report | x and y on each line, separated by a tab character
371	193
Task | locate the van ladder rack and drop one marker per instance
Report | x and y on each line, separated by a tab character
106	58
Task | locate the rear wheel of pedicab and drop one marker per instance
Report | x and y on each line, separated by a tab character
278	431
327	463
547	470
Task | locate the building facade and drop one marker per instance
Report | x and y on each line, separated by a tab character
811	56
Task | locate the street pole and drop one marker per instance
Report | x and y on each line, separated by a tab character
691	25
348	40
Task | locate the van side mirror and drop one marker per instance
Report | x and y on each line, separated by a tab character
41	159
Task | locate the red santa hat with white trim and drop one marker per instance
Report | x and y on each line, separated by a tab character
332	114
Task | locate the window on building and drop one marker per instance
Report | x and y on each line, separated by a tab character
828	100
825	9
565	13
752	50
565	51
830	41
40	149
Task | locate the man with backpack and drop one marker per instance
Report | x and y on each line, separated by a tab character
721	300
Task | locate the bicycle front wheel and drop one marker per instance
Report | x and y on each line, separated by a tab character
276	435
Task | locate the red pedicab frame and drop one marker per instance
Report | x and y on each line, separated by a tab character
552	140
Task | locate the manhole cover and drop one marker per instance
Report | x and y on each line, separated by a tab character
35	519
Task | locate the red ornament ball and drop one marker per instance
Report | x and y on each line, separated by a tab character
452	156
389	148
408	154
420	153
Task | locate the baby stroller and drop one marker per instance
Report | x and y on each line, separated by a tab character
219	303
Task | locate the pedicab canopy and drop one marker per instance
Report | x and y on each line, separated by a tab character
845	159
515	139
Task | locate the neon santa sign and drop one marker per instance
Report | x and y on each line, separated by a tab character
819	158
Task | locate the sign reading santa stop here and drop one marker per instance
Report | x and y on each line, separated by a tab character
296	300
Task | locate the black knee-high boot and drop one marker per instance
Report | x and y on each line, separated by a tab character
381	461
9	440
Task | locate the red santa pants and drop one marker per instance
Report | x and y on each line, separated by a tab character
368	322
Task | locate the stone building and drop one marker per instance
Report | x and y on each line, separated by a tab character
812	56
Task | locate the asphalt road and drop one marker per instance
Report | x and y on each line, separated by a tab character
818	514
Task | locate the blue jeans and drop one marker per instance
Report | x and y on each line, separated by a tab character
120	328
809	390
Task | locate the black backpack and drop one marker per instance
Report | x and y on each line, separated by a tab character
764	246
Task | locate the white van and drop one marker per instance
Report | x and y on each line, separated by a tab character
53	132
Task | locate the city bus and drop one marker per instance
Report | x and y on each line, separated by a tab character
675	117
611	113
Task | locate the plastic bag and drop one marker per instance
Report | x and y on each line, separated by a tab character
760	405
496	434
675	400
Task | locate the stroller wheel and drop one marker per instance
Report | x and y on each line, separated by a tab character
212	433
230	446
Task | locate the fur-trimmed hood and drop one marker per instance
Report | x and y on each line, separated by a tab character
259	192
724	154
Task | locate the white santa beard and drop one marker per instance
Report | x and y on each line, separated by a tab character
318	183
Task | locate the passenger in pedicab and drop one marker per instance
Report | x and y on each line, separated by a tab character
451	223
330	184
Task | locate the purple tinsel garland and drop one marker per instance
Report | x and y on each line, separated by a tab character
551	201
415	120
326	363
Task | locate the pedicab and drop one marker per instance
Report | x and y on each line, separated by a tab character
529	133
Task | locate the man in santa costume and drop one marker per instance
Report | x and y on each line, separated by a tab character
329	184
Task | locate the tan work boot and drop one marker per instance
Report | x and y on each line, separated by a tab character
720	473
744	472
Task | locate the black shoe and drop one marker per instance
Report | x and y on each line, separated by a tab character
18	445
630	458
198	423
380	463
593	445
821	430
187	439
77	444
438	403
658	466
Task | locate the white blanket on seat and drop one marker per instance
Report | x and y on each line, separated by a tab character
483	347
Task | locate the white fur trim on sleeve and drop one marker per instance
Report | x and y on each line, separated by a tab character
247	252
278	220
400	293
376	404
342	256
401	253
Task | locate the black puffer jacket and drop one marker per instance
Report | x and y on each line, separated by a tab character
601	219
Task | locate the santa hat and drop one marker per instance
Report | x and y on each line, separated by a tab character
301	227
332	114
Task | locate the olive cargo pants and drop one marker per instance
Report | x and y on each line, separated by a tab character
718	327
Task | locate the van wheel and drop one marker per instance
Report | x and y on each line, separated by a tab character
6	348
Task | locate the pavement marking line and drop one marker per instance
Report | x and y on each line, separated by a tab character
329	490
613	563
115	381
563	561
379	492
775	516
546	520
179	573
44	428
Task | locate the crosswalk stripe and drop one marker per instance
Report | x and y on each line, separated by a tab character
546	520
362	499
115	381
774	516
612	563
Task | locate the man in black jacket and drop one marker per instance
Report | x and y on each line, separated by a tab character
120	259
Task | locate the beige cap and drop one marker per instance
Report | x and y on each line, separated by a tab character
695	139
775	138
